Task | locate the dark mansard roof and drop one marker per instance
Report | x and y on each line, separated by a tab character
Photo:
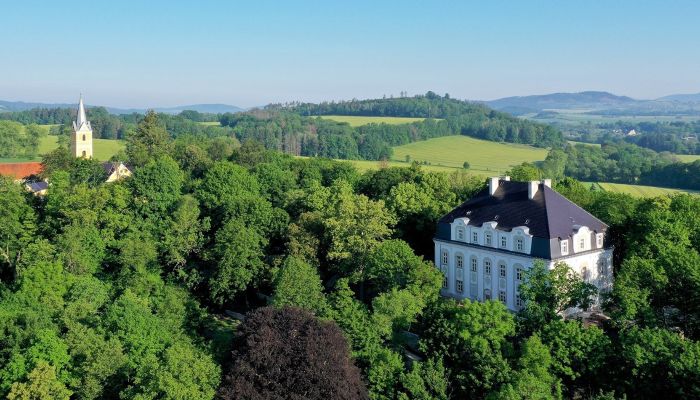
548	214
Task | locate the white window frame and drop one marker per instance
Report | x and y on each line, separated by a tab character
519	274
475	237
445	283
518	301
582	243
487	239
502	270
564	244
460	233
445	257
474	264
459	261
600	239
519	244
487	267
504	242
502	296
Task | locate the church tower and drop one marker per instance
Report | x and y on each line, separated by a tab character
81	139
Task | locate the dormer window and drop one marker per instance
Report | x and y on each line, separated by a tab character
564	247
504	242
475	237
599	240
582	244
487	239
519	244
460	233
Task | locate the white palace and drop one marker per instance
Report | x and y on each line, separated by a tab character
484	245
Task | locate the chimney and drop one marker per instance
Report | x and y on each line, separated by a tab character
532	188
493	184
547	182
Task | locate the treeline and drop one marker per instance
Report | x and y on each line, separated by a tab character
462	117
119	290
619	162
678	137
110	126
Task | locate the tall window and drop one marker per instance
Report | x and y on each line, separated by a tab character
487	267
444	278
445	257
459	280
519	274
487	294
599	239
519	244
582	244
84	153
83	138
487	239
564	247
460	233
475	237
459	260
502	270
504	241
502	296
474	263
518	300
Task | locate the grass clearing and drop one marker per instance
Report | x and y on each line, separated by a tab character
210	123
639	190
103	149
359	120
688	157
484	157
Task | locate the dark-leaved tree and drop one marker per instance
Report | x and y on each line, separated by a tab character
286	353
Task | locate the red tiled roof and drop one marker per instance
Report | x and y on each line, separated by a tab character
20	170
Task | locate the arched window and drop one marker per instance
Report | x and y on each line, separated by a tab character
460	233
459	261
84	153
444	278
487	294
487	267
459	280
83	138
502	270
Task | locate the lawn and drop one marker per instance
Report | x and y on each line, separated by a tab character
639	190
484	157
688	157
359	121
210	123
103	149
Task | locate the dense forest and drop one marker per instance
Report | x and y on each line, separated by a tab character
17	140
123	290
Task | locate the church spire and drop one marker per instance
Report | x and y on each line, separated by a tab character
81	113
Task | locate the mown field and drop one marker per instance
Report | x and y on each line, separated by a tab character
359	121
638	190
484	157
688	157
103	149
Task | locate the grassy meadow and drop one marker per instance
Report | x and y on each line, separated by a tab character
484	157
359	121
688	157
638	190
103	149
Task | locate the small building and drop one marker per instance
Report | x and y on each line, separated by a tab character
116	170
21	170
484	246
37	188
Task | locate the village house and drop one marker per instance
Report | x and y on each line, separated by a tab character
484	246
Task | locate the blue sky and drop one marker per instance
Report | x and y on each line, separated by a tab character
164	53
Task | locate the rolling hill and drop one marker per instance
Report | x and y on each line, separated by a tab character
582	100
203	108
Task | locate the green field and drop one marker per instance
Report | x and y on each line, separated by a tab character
485	157
363	165
359	121
688	157
103	149
638	190
210	123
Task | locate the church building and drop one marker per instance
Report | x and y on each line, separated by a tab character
483	246
81	138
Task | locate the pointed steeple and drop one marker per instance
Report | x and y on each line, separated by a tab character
81	113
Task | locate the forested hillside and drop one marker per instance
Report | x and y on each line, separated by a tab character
121	290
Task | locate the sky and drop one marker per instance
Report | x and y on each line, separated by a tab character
251	53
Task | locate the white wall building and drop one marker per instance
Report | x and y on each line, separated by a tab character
483	246
81	137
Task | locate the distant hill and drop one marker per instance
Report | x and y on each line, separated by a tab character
582	100
684	98
203	108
